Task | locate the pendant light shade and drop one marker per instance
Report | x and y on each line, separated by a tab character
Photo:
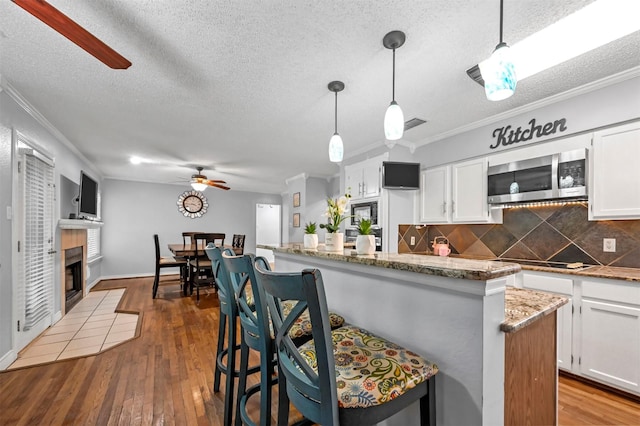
198	186
394	118
499	72
336	147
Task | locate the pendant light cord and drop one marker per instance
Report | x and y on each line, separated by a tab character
501	21
336	114
393	80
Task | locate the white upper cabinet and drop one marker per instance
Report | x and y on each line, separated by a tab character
614	183
457	193
363	178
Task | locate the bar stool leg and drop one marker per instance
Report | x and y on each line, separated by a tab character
222	328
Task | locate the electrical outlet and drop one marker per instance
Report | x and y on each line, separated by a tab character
609	245
413	241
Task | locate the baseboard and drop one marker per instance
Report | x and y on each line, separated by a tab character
7	359
631	396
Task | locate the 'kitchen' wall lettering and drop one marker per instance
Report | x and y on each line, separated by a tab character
507	136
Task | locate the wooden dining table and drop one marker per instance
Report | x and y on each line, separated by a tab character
188	251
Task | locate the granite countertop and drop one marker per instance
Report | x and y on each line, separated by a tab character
470	269
523	306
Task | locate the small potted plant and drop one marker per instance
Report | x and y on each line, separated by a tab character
310	236
365	241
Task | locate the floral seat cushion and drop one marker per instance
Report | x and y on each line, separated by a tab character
302	326
369	369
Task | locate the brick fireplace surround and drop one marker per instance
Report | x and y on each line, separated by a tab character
71	238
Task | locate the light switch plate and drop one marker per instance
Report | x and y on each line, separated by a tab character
413	241
609	245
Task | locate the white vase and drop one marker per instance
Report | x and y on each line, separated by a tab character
310	241
334	241
365	244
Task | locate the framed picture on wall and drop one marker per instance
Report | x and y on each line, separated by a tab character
296	200
296	220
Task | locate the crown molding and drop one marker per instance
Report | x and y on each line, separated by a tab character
587	88
42	120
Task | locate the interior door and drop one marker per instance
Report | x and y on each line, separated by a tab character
267	228
33	242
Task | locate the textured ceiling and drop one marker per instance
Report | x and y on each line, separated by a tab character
241	87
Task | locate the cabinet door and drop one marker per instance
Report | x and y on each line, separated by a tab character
469	191
611	344
371	178
615	175
434	195
353	180
564	287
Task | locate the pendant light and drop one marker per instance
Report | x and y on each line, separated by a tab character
336	148
498	72
394	118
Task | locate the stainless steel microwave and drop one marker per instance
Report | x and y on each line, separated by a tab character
557	176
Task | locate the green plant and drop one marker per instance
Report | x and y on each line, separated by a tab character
310	228
364	227
336	213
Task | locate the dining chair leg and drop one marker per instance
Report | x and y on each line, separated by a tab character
156	281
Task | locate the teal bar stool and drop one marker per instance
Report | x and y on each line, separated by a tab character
347	376
256	335
225	356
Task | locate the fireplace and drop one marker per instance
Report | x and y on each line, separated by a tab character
72	276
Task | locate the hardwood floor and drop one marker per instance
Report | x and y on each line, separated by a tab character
165	376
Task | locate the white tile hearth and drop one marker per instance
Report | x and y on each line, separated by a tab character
90	327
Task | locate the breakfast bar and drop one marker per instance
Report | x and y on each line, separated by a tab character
455	312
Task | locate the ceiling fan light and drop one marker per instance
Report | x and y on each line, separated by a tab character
393	122
336	148
499	74
198	186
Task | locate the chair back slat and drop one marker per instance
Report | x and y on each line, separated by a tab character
157	243
312	390
221	276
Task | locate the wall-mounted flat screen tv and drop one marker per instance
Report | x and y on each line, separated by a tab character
399	175
88	202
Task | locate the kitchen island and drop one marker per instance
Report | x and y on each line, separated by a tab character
451	311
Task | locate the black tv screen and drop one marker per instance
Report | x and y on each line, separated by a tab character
88	202
399	175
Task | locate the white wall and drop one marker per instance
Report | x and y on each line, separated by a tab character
133	211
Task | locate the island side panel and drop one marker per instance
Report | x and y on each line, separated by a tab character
531	374
452	322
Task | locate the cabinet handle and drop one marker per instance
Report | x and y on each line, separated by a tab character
453	207
364	189
444	207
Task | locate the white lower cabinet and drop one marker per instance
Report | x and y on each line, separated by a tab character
610	334
598	331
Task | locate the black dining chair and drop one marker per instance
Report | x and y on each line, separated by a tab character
200	271
165	262
237	244
347	376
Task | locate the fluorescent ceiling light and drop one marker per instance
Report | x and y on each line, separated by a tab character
595	25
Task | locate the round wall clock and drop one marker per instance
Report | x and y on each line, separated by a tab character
192	204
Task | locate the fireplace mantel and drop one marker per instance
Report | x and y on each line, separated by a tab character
78	224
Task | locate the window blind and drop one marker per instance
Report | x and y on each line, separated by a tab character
38	238
93	243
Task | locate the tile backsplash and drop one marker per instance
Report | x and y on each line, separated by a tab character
551	233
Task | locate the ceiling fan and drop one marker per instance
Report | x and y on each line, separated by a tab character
199	182
74	32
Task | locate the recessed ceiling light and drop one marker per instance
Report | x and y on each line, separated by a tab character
135	160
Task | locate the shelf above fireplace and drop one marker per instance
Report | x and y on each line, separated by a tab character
79	224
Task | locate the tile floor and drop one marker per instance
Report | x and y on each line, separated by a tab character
90	327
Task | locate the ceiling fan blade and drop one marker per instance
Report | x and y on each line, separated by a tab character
217	185
74	32
217	181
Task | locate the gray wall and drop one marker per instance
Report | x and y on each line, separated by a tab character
133	211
